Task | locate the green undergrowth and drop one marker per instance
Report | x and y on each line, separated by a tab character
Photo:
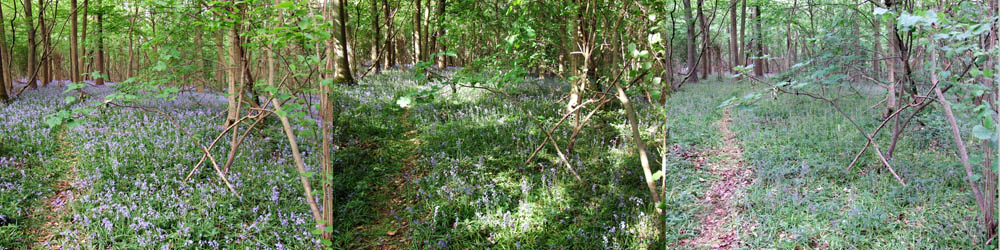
803	196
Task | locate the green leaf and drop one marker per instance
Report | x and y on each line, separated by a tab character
308	133
285	5
53	121
658	175
70	99
982	133
308	174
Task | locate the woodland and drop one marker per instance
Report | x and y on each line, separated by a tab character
499	124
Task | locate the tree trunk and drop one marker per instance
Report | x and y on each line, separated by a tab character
706	42
5	74
877	46
220	49
441	63
691	50
743	30
342	67
83	41
31	67
758	67
417	36
390	47
74	48
788	35
46	74
640	146
100	50
376	45
733	45
234	72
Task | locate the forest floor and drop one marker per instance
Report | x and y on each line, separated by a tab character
59	203
450	173
388	231
717	229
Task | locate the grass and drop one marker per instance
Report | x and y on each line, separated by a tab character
803	196
450	174
30	166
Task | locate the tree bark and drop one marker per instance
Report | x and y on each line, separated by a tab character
758	67
31	67
877	46
45	70
742	57
342	67
234	93
706	42
439	25
74	47
733	44
417	32
377	44
640	146
390	46
788	35
691	36
100	50
5	76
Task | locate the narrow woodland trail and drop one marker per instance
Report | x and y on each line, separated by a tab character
391	228
733	176
59	203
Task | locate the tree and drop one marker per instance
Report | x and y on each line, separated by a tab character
439	25
691	36
390	36
100	48
733	44
31	66
74	55
758	64
5	76
45	70
340	53
377	53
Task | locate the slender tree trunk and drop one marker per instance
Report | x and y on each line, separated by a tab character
640	146
758	67
5	74
733	45
742	57
74	48
234	73
877	46
706	41
83	41
31	67
377	44
342	67
439	24
417	30
45	70
691	36
220	71
132	64
788	35
390	47
100	50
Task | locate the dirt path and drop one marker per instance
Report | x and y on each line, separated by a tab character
733	176
59	204
391	229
